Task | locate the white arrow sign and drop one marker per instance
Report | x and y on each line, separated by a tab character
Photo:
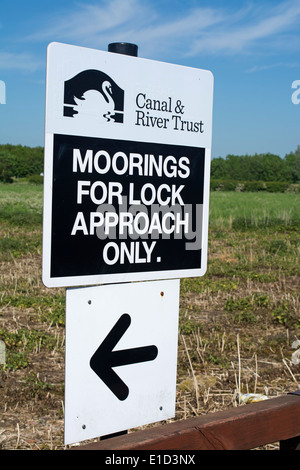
121	357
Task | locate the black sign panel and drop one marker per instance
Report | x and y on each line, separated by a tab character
125	207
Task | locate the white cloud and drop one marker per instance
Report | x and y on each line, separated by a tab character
19	61
132	21
89	21
247	28
254	27
259	68
196	20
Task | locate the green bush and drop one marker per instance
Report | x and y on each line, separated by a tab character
276	186
253	186
20	161
36	179
262	167
223	185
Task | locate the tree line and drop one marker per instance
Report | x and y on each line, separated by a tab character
258	171
18	161
265	167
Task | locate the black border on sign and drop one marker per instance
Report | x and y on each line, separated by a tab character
82	255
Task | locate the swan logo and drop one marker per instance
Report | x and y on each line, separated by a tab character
92	93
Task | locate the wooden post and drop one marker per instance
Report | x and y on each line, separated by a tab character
242	428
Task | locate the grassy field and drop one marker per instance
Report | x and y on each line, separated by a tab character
237	324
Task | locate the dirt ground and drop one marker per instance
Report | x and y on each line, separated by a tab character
218	356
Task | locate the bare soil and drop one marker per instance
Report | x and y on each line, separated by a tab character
219	355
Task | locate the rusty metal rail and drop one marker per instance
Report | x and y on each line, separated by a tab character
242	428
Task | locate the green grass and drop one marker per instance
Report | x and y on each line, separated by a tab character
21	209
51	308
24	341
253	241
13	246
249	294
21	204
252	279
254	210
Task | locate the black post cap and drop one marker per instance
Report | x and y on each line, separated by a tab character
123	48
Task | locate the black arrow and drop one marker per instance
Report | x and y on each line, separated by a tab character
104	358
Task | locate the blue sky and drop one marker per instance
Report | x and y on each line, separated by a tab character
251	47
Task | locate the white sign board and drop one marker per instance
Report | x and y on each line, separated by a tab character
127	164
121	357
